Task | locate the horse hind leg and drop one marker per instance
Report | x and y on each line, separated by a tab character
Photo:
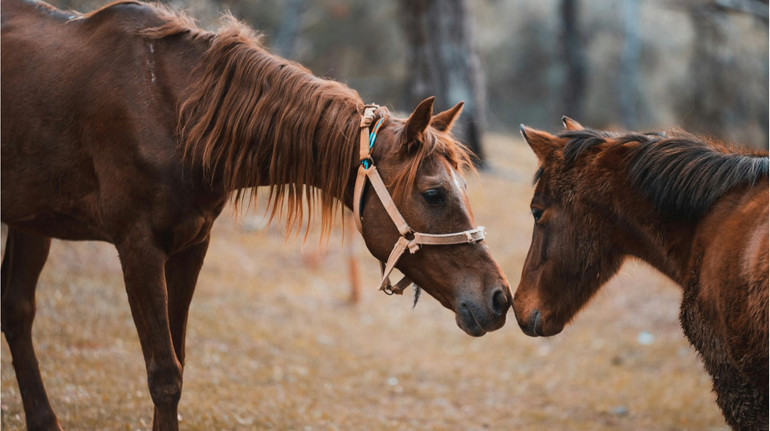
25	255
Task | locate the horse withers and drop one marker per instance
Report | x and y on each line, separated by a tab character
695	210
130	125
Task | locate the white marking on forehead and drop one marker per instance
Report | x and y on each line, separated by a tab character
456	181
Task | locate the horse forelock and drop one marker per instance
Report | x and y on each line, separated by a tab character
579	141
436	147
681	174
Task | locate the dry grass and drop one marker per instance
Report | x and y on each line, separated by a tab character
272	344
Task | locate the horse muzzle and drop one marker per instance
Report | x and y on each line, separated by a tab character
478	319
535	324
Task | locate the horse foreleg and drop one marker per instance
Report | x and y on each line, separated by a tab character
144	275
182	271
25	255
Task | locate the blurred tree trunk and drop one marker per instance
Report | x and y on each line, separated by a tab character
628	73
573	55
758	8
724	102
443	61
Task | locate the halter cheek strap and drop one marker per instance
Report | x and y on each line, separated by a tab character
367	171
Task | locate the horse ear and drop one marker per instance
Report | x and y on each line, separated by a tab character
571	124
542	143
418	122
443	121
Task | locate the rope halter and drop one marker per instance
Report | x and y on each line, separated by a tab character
367	171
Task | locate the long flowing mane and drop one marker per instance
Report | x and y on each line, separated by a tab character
681	174
249	107
253	117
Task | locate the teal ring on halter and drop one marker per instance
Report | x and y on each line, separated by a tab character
372	138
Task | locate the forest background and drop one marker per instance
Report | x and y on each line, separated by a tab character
700	65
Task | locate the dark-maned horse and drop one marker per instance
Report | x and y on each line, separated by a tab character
696	211
132	126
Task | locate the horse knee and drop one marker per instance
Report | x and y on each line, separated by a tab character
17	317
165	386
45	421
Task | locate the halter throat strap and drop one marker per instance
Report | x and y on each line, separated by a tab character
409	239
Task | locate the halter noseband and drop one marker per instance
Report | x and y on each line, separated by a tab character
367	170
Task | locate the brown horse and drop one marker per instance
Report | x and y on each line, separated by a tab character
130	125
696	211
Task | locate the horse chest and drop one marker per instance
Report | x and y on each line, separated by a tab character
742	401
193	230
193	227
699	328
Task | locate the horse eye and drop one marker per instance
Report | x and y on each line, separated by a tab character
433	196
537	213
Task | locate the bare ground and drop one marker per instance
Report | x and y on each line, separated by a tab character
272	343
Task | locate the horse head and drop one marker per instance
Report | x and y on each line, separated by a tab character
572	251
441	249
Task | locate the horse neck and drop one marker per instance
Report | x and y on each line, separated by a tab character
667	212
321	152
273	125
665	245
646	233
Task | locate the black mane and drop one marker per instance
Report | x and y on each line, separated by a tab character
681	174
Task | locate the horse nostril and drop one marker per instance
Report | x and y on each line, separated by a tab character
500	303
535	323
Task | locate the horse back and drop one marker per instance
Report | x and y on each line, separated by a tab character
88	119
732	280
